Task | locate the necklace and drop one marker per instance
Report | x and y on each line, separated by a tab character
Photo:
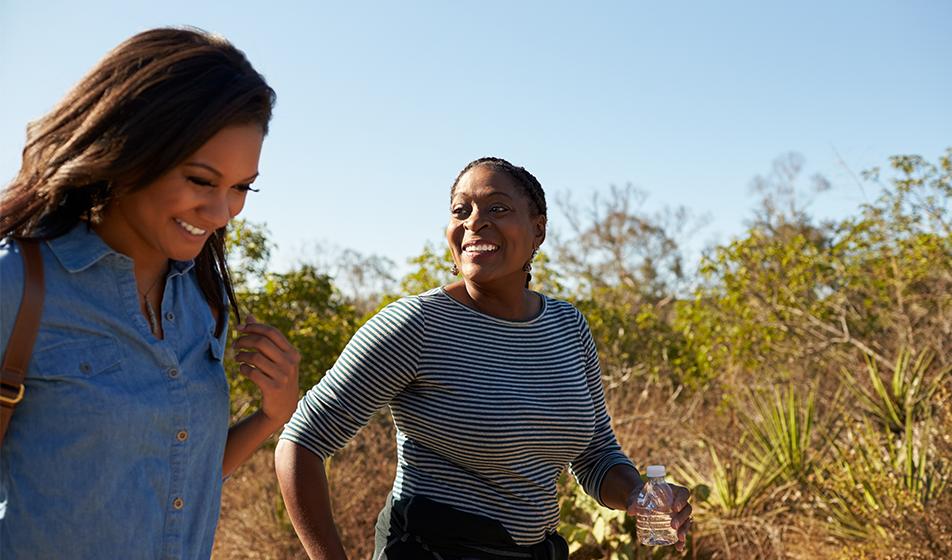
150	310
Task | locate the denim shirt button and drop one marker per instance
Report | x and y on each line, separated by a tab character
170	316
173	373
178	503
182	435
85	367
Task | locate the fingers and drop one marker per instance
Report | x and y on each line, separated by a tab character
683	532
260	362
261	345
681	496
267	340
268	381
276	337
256	376
681	519
678	518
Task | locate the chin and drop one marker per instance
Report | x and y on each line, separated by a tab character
479	276
186	254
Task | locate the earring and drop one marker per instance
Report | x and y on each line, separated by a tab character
528	265
454	270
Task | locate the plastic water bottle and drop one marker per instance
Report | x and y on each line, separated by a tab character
654	505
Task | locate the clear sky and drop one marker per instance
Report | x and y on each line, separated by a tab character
381	103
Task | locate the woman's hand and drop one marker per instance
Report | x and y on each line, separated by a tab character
267	358
680	512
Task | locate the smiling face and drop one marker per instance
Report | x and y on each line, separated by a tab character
173	217
492	230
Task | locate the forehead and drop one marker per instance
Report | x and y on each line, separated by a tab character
485	180
233	150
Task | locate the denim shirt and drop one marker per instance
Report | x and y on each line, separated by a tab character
116	449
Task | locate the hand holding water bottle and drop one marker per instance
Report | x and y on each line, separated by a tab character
662	511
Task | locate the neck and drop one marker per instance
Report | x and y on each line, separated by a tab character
149	277
149	264
506	300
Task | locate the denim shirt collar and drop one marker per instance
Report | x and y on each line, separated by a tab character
81	247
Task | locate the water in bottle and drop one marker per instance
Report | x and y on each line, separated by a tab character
654	505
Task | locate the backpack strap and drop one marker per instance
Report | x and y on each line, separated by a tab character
16	360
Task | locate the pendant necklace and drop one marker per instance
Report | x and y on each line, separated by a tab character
150	310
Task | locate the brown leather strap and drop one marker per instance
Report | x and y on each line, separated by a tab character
16	360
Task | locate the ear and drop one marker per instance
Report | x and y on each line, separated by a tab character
539	230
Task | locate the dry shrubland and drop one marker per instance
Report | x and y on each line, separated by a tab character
800	383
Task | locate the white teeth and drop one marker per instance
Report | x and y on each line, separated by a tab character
480	248
190	228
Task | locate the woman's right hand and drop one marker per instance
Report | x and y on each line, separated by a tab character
270	362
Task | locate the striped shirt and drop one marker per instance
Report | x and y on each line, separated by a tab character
488	411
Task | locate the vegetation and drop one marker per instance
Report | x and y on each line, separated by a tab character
798	379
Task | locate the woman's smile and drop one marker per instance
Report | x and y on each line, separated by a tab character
478	251
193	231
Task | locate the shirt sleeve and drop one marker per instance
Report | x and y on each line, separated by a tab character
378	362
603	452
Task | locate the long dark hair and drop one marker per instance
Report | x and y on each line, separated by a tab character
146	106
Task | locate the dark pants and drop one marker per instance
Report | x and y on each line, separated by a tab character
418	528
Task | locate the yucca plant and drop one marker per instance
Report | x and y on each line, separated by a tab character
737	509
875	478
731	490
780	435
906	397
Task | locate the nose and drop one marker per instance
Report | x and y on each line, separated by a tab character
475	221
216	209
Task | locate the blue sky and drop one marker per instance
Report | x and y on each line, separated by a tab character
381	103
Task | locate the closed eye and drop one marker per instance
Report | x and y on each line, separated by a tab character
200	181
245	187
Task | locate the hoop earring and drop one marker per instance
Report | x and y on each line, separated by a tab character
528	266
454	270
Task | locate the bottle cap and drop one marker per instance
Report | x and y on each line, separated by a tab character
655	471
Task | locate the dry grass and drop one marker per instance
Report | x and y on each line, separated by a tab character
254	523
654	424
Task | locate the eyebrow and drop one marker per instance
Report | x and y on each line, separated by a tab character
217	173
493	193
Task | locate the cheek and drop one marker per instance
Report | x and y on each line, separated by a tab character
454	234
236	204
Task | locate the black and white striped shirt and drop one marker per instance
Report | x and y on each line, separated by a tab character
488	411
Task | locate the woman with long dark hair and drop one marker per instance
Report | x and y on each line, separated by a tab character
121	441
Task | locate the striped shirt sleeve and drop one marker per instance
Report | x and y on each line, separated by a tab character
378	362
603	452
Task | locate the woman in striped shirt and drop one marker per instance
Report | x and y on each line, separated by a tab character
494	390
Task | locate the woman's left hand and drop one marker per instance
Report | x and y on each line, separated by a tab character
271	362
680	512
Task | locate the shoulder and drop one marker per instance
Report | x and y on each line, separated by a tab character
564	310
559	305
401	314
10	257
11	275
11	286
